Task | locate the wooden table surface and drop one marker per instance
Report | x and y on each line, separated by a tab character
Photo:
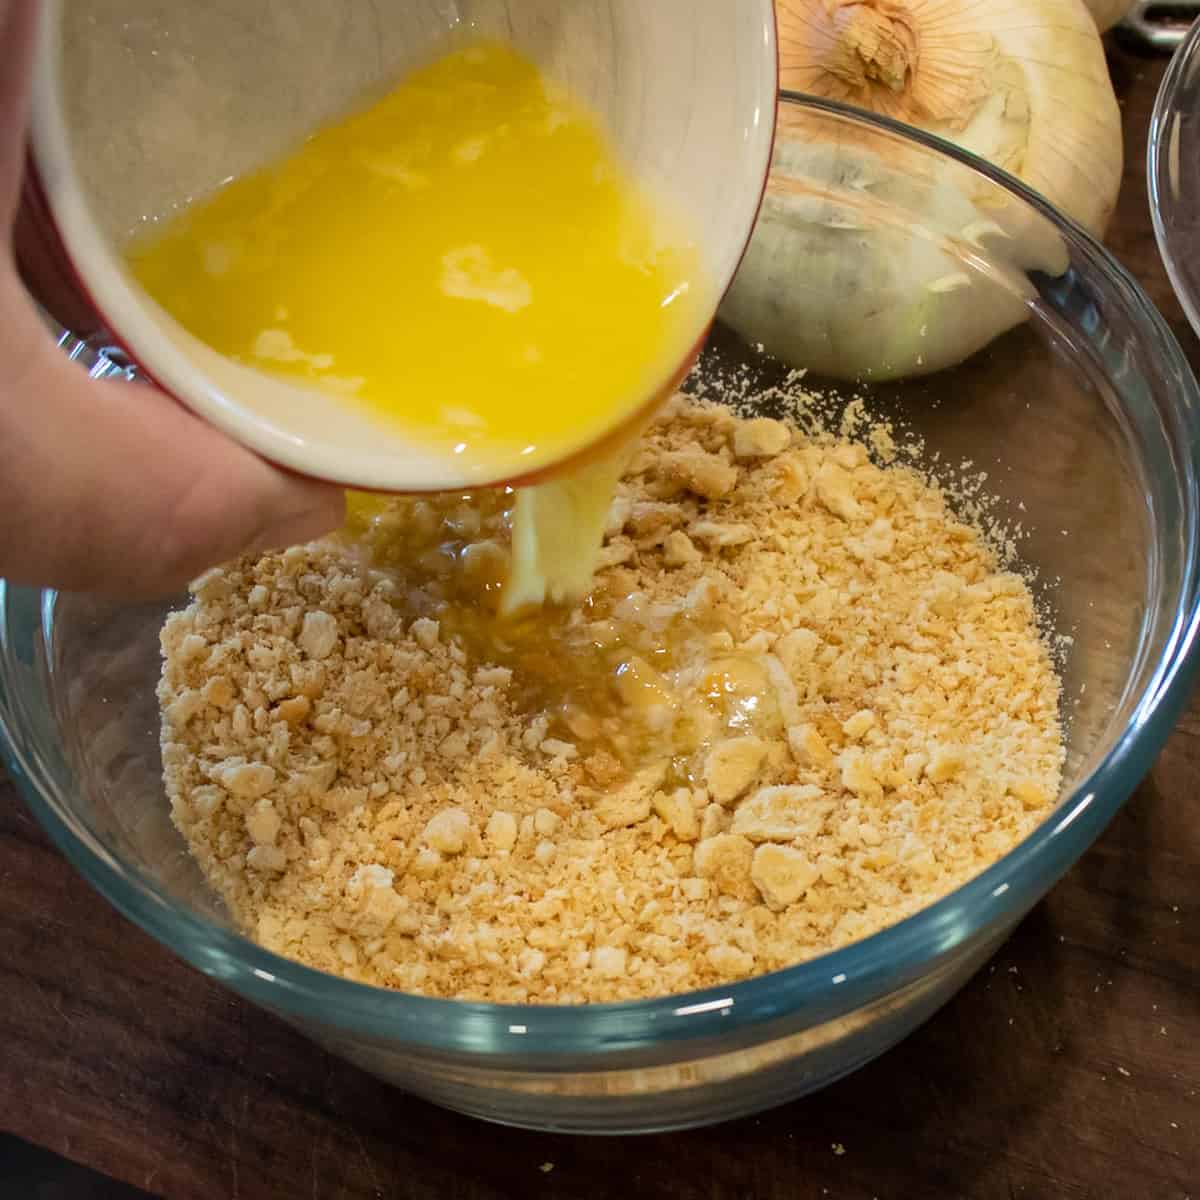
1068	1068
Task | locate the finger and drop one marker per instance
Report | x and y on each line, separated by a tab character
116	488
18	19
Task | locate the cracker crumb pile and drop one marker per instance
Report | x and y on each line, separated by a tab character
803	702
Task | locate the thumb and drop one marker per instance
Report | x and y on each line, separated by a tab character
114	487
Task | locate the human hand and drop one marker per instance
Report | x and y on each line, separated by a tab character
106	486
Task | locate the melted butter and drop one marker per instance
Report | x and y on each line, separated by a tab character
738	689
557	531
467	259
644	692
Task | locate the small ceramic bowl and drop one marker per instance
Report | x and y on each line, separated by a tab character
142	104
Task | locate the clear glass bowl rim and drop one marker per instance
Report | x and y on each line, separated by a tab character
817	990
1185	280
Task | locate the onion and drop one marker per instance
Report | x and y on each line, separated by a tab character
830	283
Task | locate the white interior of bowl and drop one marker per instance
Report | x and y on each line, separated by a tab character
143	105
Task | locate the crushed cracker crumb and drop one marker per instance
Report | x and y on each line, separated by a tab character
807	700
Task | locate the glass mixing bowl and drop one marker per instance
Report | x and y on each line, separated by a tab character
1084	413
1173	167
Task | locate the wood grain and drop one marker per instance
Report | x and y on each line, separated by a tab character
1068	1069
